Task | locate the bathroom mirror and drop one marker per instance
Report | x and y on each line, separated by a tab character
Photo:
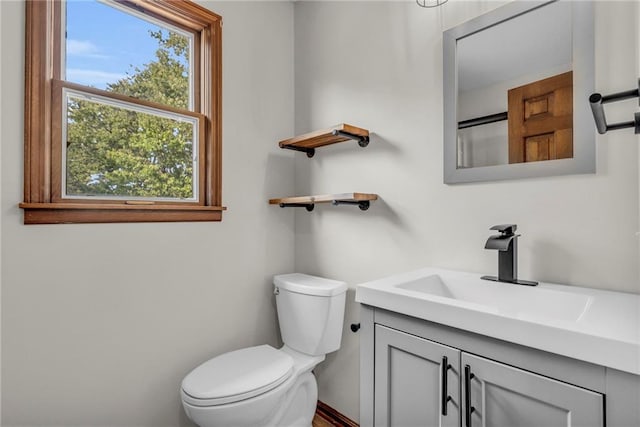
516	86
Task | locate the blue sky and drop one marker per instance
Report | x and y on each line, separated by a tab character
103	43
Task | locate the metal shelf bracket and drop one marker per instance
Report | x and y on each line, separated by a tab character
363	141
362	204
310	151
308	206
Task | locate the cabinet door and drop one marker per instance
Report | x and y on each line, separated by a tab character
501	396
409	390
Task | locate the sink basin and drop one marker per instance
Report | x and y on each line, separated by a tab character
507	299
596	326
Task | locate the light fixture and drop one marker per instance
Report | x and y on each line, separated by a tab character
430	3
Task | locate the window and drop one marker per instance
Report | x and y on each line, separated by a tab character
122	112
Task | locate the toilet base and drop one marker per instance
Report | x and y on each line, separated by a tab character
300	405
291	404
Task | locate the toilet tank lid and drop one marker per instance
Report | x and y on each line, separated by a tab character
309	285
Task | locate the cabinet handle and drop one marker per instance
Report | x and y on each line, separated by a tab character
445	392
467	395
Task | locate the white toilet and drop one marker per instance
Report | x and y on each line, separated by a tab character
263	386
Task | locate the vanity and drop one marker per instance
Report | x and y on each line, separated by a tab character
446	348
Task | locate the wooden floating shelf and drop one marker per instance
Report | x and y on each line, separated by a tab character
363	200
339	133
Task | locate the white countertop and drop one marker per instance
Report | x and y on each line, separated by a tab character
597	326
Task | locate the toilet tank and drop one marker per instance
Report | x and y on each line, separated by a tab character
310	312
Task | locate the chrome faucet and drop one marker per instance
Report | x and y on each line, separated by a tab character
506	243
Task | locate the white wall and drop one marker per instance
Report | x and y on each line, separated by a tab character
379	65
100	323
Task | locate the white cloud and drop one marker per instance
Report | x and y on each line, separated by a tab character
80	47
83	48
95	78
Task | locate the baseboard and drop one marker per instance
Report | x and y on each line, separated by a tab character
332	416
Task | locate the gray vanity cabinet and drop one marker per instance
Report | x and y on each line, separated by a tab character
406	385
502	395
409	375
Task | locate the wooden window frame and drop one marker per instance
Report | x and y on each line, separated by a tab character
42	134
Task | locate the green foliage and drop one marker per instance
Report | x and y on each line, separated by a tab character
113	151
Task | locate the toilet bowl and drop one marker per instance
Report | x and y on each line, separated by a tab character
264	386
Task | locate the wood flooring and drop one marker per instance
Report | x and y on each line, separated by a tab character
326	416
318	421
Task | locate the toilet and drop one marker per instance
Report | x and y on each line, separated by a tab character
267	387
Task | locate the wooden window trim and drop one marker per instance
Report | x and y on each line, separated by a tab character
42	162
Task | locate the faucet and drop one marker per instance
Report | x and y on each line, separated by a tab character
506	243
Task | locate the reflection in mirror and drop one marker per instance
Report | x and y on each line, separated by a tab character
514	81
491	71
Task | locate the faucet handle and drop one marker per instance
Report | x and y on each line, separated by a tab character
505	229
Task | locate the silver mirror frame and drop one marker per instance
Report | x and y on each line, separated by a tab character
584	160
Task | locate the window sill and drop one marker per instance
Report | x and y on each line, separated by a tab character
78	213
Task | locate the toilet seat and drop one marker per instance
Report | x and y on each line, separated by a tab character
236	376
